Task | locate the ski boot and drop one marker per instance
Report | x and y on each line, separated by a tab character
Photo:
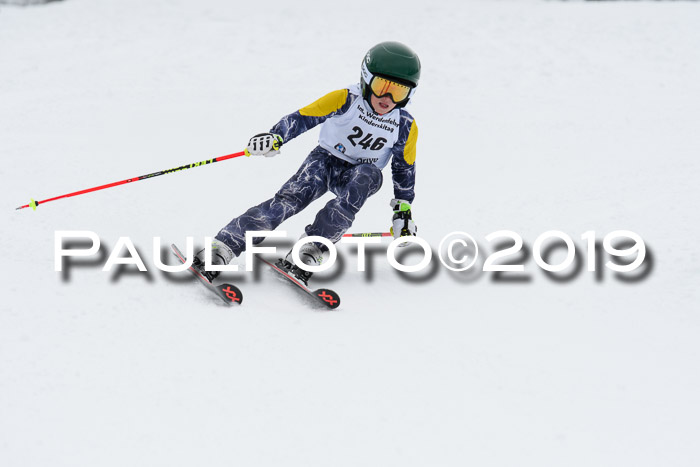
221	255
310	254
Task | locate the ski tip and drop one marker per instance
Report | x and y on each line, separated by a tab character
328	298
176	251
230	294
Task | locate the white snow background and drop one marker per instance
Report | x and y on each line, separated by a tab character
533	116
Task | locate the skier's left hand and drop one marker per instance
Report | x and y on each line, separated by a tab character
402	224
264	144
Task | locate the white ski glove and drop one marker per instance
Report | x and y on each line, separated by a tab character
264	144
402	224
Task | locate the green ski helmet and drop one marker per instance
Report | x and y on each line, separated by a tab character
395	62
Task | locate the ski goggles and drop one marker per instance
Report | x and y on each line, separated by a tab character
382	86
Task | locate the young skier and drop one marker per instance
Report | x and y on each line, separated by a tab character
364	127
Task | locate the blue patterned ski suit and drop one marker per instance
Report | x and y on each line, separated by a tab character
347	162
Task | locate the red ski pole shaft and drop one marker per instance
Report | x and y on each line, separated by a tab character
33	204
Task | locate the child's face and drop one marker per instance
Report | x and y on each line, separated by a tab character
382	105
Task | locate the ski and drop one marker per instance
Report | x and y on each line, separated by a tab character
229	293
326	297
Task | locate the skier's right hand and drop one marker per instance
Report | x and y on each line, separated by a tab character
264	144
402	224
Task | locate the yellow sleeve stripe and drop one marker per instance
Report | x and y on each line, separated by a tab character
409	151
325	105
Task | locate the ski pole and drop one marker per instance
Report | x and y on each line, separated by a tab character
369	234
33	204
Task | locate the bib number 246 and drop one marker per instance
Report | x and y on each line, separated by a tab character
374	144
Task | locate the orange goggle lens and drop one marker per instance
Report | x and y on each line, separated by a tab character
381	87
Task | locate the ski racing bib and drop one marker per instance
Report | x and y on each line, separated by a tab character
360	136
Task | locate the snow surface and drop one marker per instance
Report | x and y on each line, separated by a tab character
533	116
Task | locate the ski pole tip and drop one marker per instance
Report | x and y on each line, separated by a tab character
32	204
